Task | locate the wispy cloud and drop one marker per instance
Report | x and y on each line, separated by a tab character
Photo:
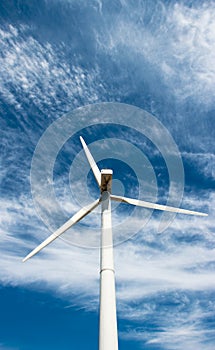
5	347
204	162
182	257
187	332
177	44
31	69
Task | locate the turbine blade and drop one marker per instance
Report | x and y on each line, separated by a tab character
155	206
92	162
74	219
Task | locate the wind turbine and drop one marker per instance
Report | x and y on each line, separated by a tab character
108	335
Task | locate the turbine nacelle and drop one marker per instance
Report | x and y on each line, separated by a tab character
106	180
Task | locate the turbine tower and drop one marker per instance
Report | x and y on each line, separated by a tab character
108	335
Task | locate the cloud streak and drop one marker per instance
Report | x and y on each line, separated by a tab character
182	257
30	70
178	44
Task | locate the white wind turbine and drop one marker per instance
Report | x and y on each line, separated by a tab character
108	335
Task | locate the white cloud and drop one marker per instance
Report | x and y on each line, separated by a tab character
204	162
179	337
176	41
5	347
39	73
158	262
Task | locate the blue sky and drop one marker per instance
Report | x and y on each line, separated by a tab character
60	55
